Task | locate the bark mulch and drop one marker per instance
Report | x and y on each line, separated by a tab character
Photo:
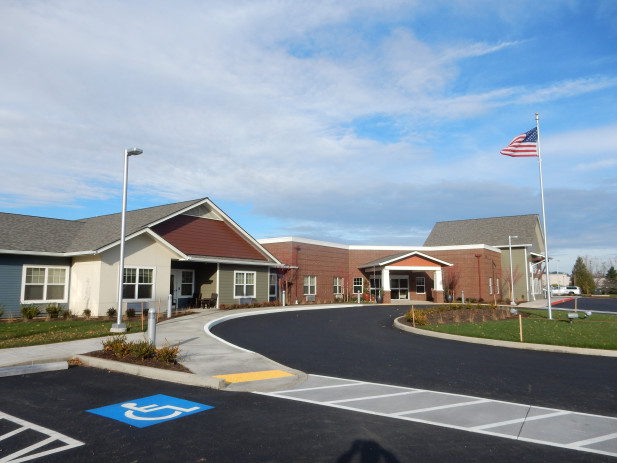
150	362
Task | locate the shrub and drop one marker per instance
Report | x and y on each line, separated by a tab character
1	309
87	313
418	316
111	312
53	311
130	313
141	349
168	353
118	345
29	311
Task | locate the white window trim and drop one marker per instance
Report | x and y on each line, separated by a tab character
138	268
45	301
312	278
423	284
361	285
273	285
180	296
254	295
341	285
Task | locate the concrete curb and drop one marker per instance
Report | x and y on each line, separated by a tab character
179	377
508	344
33	368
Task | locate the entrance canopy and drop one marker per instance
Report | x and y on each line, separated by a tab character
411	262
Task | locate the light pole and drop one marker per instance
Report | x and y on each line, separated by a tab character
120	327
511	271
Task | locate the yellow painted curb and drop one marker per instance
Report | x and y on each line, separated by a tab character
254	376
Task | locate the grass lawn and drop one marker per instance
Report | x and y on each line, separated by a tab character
31	333
597	332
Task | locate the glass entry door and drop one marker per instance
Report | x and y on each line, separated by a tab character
399	288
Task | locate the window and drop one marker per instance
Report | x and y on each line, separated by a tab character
138	283
186	286
337	285
310	285
490	285
420	288
497	285
399	287
244	284
272	285
357	285
45	284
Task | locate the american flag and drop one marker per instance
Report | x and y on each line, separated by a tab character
525	145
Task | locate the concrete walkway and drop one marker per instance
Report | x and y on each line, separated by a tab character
214	362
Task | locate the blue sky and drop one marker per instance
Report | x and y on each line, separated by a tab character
358	122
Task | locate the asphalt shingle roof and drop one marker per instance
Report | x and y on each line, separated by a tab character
39	234
492	231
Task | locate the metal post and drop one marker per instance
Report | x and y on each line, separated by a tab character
284	299
169	306
463	296
511	271
152	326
120	327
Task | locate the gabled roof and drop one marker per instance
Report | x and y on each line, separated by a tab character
392	259
493	231
37	235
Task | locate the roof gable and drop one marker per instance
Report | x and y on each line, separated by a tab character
414	261
206	237
407	259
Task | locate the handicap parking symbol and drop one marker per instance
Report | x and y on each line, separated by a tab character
150	410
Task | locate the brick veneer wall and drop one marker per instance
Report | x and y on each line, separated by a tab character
326	262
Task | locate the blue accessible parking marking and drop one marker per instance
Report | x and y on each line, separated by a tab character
150	410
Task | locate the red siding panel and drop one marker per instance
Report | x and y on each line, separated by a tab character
206	237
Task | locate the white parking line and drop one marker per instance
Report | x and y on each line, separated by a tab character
24	453
558	428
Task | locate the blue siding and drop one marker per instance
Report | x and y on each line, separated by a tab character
11	267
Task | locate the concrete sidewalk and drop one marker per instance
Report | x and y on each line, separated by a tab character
204	354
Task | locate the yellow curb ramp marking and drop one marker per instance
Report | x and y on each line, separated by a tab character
254	376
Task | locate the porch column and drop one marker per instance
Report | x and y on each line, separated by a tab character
438	280
438	296
385	285
385	279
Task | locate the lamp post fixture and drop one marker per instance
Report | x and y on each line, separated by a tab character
511	271
120	327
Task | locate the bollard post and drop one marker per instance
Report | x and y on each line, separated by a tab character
152	326
463	296
284	298
169	306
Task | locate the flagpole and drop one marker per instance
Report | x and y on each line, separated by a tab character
548	273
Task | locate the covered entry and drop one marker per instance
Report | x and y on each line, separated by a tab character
410	276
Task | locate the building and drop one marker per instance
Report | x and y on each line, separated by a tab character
318	271
527	248
180	253
173	253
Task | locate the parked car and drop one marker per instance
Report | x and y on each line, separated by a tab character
566	290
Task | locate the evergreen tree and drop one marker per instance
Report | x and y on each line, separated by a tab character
581	276
610	282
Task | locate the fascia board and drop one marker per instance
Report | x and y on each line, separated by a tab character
214	260
150	233
47	254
